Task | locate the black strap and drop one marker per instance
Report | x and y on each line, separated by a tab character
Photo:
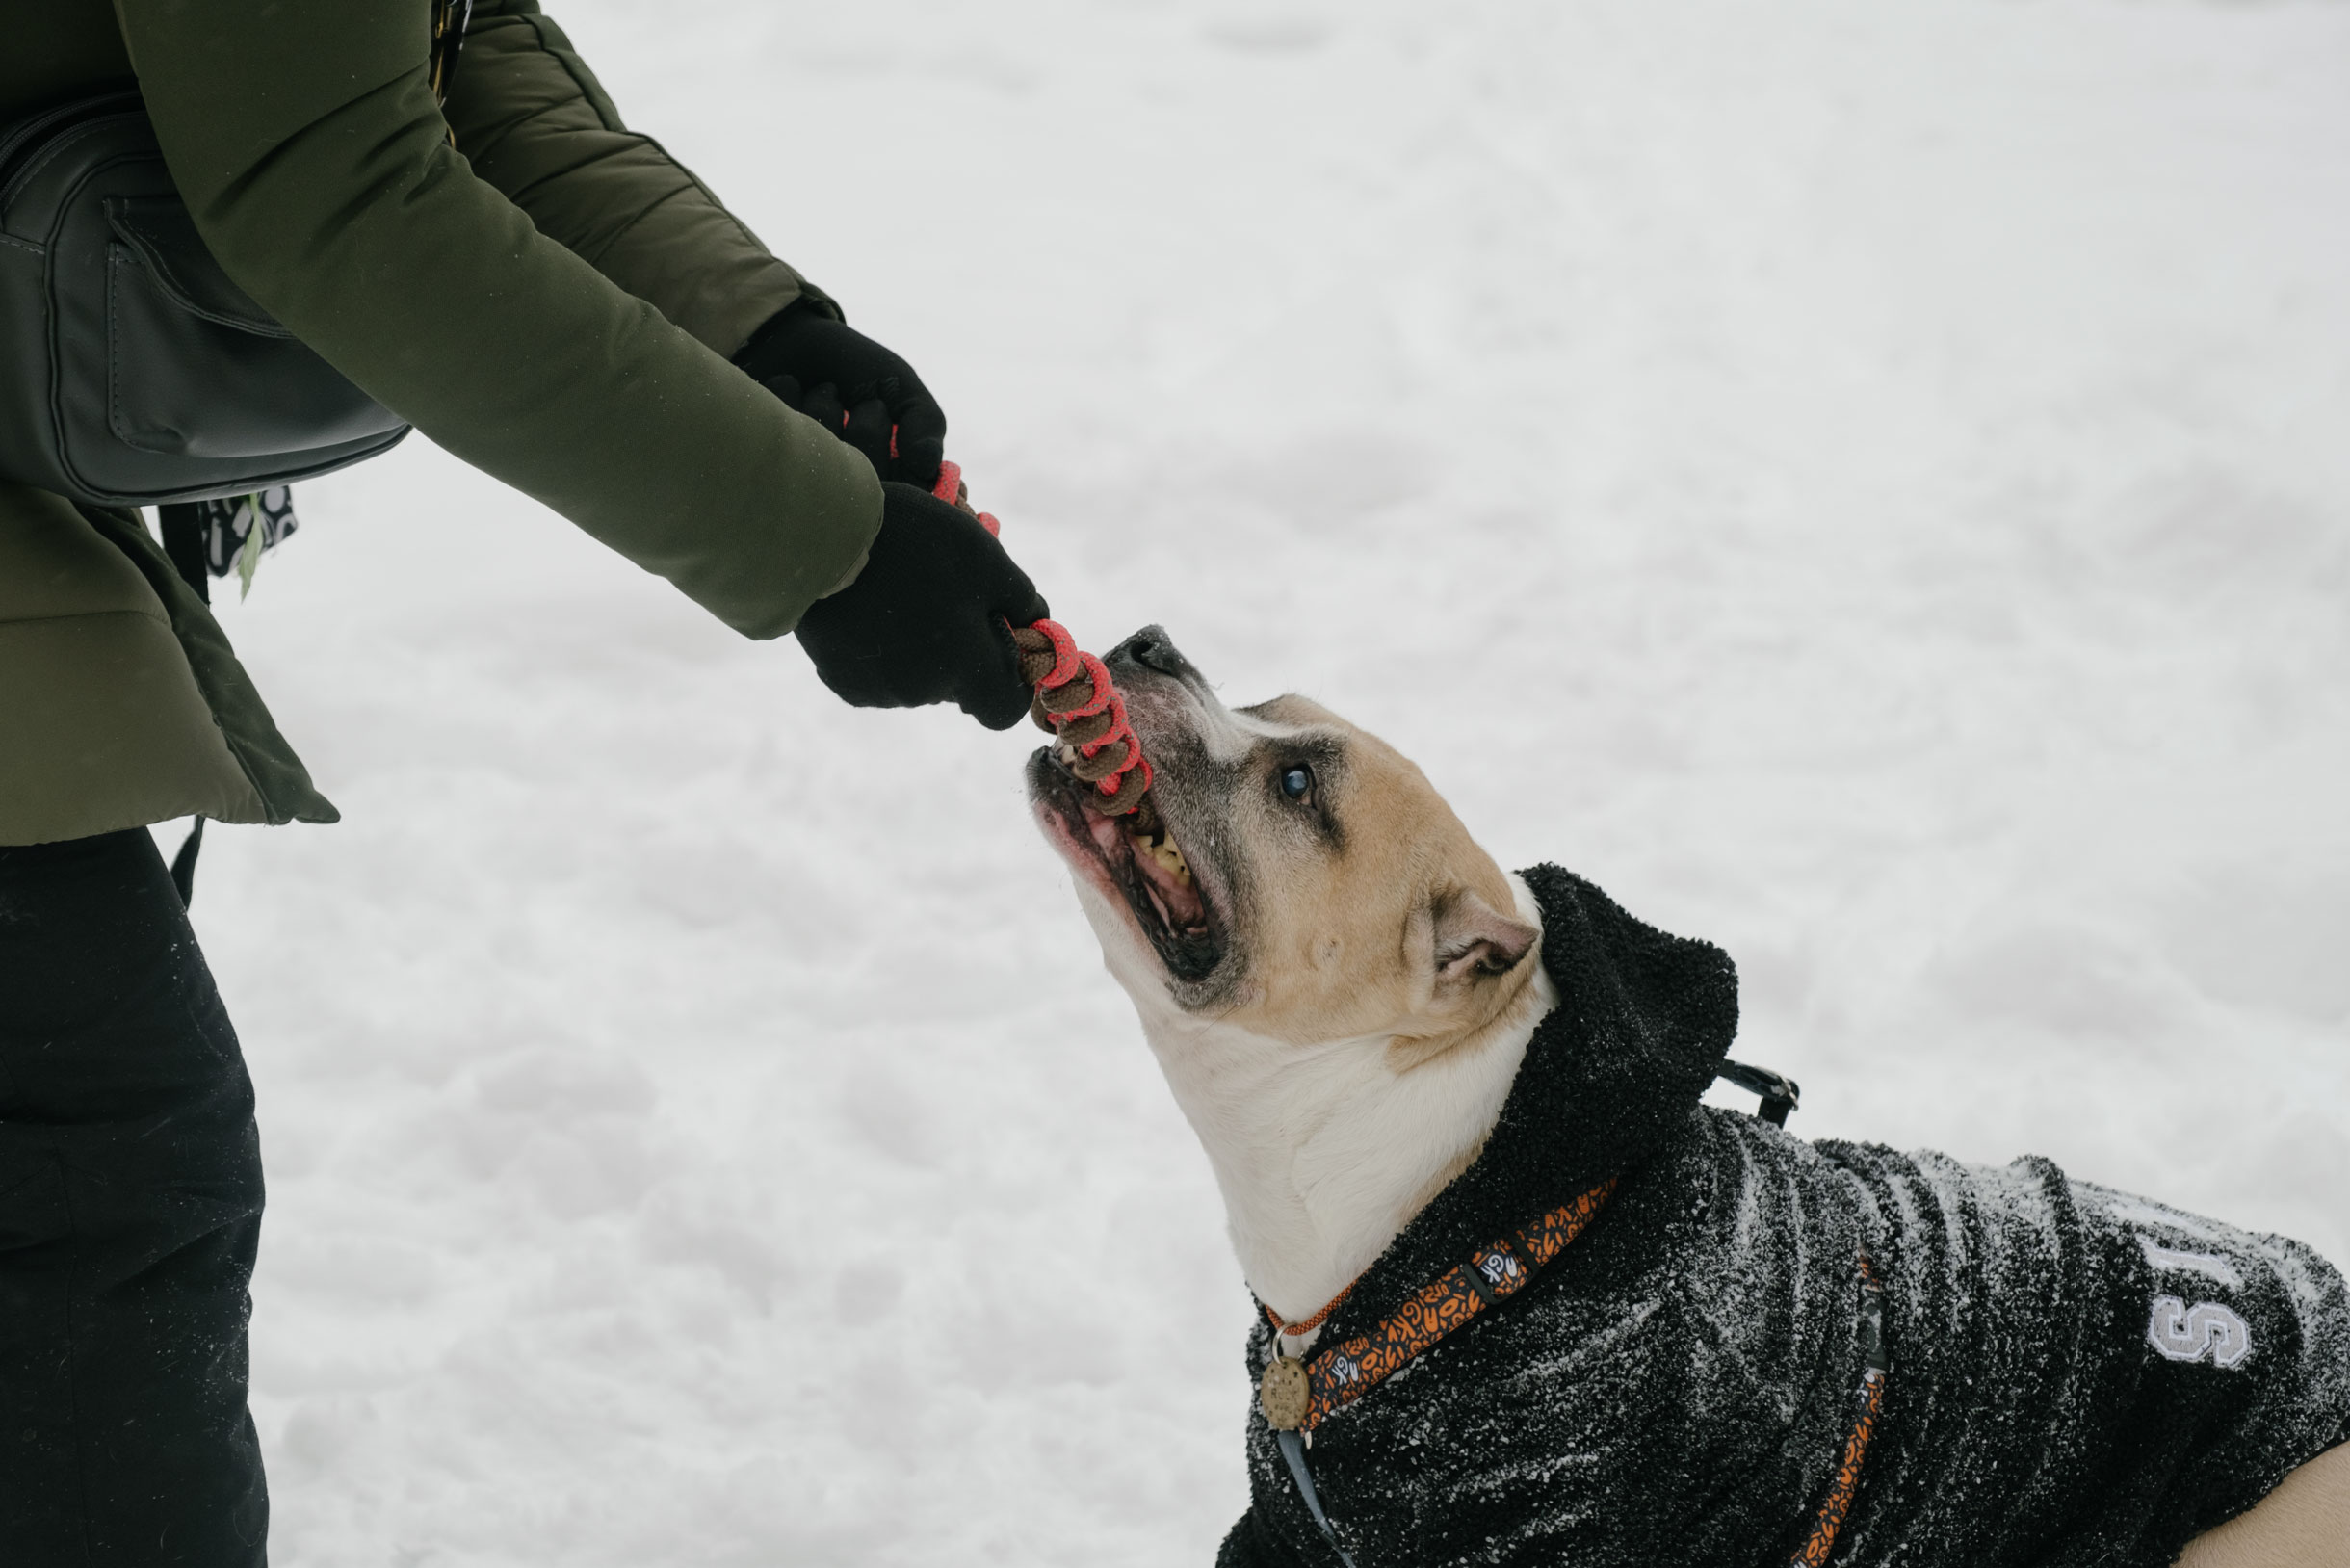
449	19
183	540
1780	1094
183	864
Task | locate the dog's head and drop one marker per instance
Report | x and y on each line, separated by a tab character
1307	883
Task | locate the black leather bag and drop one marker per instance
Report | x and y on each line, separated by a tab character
132	370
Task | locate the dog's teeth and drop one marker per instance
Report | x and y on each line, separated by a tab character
1162	851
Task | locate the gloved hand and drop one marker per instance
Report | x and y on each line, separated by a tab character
926	620
853	387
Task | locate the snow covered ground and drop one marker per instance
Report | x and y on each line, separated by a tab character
1867	483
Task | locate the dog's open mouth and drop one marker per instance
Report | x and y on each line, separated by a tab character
1144	862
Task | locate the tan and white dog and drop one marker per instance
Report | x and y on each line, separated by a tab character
1340	987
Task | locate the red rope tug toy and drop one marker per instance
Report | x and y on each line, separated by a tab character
1076	701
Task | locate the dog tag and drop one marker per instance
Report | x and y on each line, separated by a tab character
1285	1393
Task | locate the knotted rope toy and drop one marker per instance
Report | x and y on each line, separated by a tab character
1076	701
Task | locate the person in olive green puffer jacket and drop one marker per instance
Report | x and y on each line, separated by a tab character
550	297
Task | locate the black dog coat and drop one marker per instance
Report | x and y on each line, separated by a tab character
2077	1378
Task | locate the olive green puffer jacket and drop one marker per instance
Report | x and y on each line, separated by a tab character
554	300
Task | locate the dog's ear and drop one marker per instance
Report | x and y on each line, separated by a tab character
1474	938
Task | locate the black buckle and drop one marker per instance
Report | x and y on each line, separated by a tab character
1478	1286
1780	1094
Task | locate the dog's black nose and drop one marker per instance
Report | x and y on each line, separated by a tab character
1153	649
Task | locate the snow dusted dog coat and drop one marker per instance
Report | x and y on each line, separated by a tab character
2077	1377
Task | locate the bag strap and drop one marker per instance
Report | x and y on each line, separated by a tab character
449	19
183	540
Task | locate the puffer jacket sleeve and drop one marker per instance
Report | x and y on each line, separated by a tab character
534	122
306	142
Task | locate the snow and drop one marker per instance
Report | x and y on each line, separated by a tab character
1866	484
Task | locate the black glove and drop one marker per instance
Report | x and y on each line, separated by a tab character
926	620
853	387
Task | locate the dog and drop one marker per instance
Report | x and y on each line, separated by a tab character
1527	1301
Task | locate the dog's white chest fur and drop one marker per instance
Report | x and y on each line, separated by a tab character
1323	1152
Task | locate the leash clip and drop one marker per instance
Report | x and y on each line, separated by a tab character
1780	1094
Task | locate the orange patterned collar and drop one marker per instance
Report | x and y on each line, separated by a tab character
1297	1394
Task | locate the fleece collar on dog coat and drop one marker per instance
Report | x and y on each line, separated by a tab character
2082	1377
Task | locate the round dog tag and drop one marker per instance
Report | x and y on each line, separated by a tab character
1285	1393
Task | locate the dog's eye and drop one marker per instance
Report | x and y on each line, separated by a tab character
1297	781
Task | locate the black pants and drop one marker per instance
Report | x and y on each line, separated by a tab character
130	1207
